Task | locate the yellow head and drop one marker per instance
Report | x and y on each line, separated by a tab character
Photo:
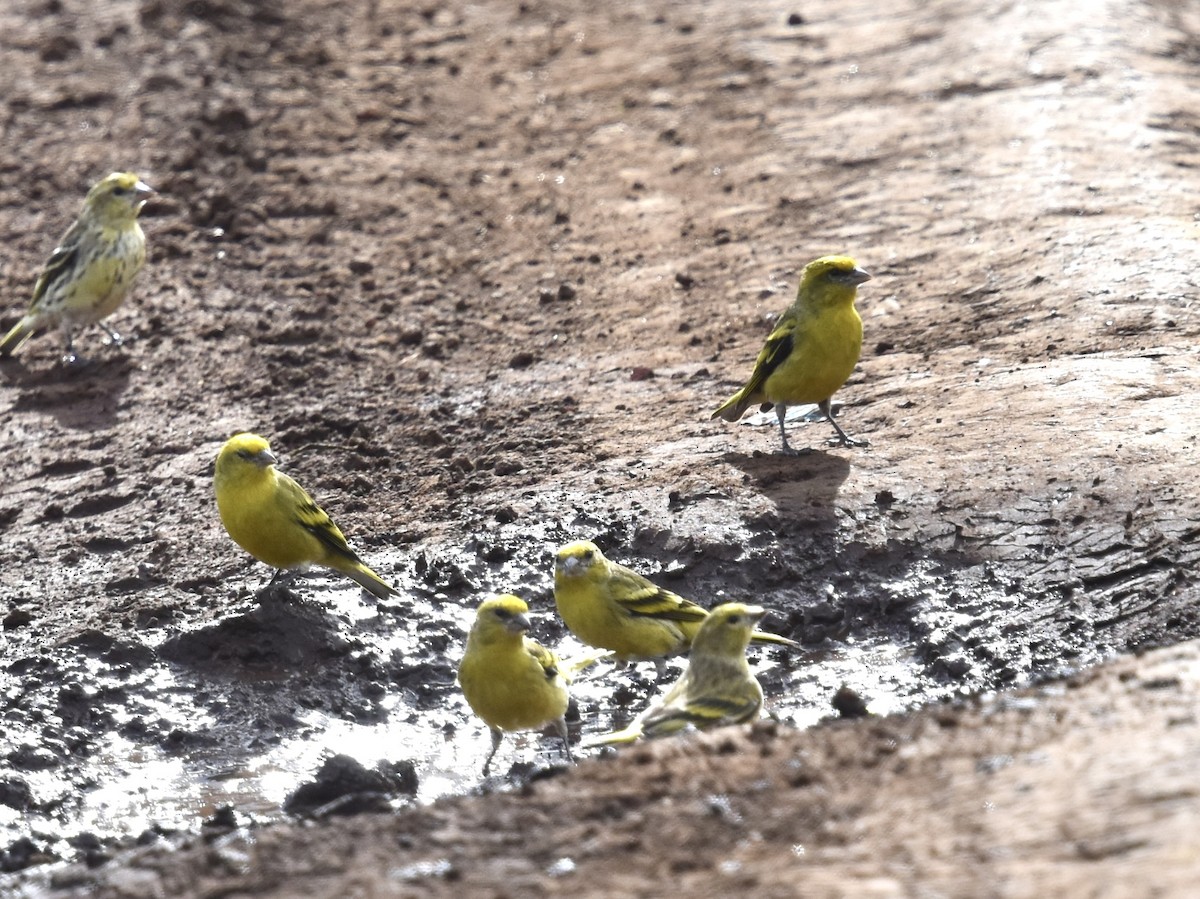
727	629
244	455
502	617
830	279
582	559
117	198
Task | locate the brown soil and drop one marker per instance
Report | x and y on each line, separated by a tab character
480	273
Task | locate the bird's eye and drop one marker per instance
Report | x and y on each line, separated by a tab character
734	619
245	454
503	614
587	555
120	191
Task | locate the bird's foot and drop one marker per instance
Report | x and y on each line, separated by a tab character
73	360
789	450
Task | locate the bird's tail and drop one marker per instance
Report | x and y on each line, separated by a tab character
20	332
617	738
369	581
767	637
571	668
734	407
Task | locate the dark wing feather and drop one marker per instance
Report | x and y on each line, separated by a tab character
313	519
60	264
639	596
544	657
702	712
777	348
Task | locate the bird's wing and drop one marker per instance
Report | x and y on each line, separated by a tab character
774	352
639	596
306	513
778	347
701	712
544	657
59	265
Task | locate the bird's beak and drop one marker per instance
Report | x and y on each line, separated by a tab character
141	193
857	276
519	623
568	566
265	458
758	613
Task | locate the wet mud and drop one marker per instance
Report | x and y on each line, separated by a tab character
480	274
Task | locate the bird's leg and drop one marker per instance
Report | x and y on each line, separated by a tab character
69	357
274	586
560	727
497	738
842	439
781	414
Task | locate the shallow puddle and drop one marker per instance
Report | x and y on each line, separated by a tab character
249	707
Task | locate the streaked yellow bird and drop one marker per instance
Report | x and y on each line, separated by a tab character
511	681
717	688
811	351
90	271
271	517
612	607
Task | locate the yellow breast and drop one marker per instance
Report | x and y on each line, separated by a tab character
825	349
509	689
259	523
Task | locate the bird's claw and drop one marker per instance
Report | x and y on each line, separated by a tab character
789	450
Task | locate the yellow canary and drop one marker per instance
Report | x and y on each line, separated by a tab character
811	351
91	269
511	681
271	517
611	607
716	689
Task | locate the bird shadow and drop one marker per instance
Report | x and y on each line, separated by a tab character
280	635
801	487
83	396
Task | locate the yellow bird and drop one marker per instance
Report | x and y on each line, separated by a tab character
611	607
271	517
91	269
811	351
716	689
511	681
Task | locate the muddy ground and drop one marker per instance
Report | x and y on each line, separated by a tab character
481	272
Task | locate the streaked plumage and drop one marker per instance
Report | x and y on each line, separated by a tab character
609	606
511	681
272	517
90	271
717	688
811	351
